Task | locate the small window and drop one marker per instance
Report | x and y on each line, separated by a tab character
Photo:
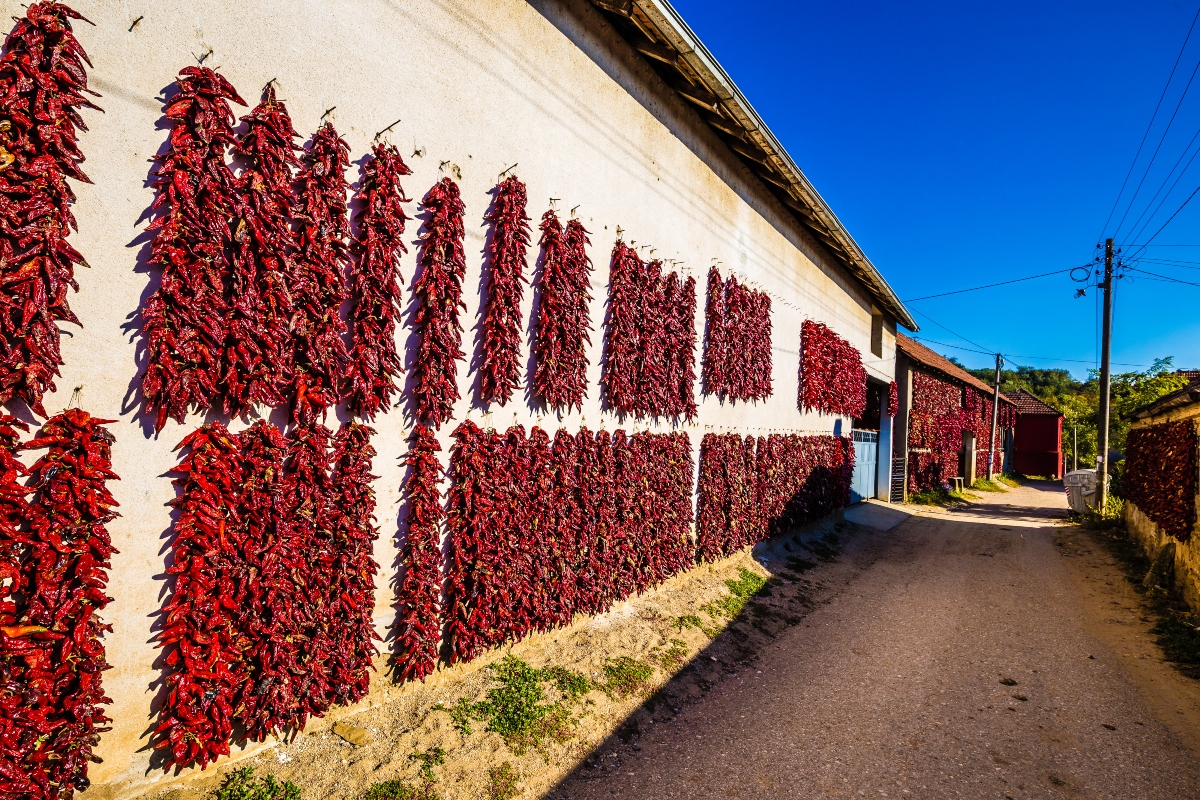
877	334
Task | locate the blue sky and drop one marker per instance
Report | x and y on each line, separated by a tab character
966	144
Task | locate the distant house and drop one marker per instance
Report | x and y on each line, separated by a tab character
1037	439
943	424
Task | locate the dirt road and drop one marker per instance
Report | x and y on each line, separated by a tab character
988	652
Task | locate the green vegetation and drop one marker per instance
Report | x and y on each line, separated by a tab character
1180	640
242	785
625	676
502	782
741	590
984	485
397	789
1079	401
674	657
517	706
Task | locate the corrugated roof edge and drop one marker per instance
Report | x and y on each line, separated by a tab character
805	199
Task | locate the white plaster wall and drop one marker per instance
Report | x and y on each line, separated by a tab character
478	87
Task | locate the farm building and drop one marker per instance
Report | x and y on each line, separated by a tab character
1160	484
944	417
1037	437
708	314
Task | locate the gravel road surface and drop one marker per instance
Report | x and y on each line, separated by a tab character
968	654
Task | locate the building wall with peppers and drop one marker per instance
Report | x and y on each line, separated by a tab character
1161	486
464	89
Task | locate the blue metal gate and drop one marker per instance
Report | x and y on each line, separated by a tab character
866	453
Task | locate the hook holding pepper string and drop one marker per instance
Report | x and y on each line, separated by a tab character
505	172
385	130
74	397
135	22
328	111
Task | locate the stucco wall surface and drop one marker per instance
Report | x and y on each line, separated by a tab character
477	87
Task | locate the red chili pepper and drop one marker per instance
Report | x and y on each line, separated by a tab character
438	292
1160	475
893	399
418	628
374	362
258	360
832	377
184	320
42	88
500	326
318	285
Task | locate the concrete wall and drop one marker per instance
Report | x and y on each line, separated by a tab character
478	87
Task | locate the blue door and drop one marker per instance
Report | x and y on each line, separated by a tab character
866	453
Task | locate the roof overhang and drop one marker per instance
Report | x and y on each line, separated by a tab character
1179	398
655	29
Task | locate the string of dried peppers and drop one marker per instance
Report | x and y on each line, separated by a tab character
562	326
500	326
1160	475
832	377
184	320
375	290
649	355
55	558
438	289
318	285
258	360
751	489
893	406
737	350
42	88
418	627
541	531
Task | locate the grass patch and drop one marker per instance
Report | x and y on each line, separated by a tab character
984	485
693	621
397	789
502	782
242	785
741	590
932	497
625	676
517	706
1008	481
674	657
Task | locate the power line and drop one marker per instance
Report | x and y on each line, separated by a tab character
1166	130
1034	358
1151	125
1142	247
1161	277
989	286
957	335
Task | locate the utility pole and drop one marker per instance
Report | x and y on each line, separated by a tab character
995	418
1105	375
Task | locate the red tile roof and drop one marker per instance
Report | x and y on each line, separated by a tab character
1028	404
923	355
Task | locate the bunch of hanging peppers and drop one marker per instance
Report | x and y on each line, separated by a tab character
438	289
318	285
206	659
418	627
543	530
500	326
184	321
751	489
649	358
1160	475
737	350
42	88
270	616
351	594
563	323
893	406
375	285
54	556
258	359
832	377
